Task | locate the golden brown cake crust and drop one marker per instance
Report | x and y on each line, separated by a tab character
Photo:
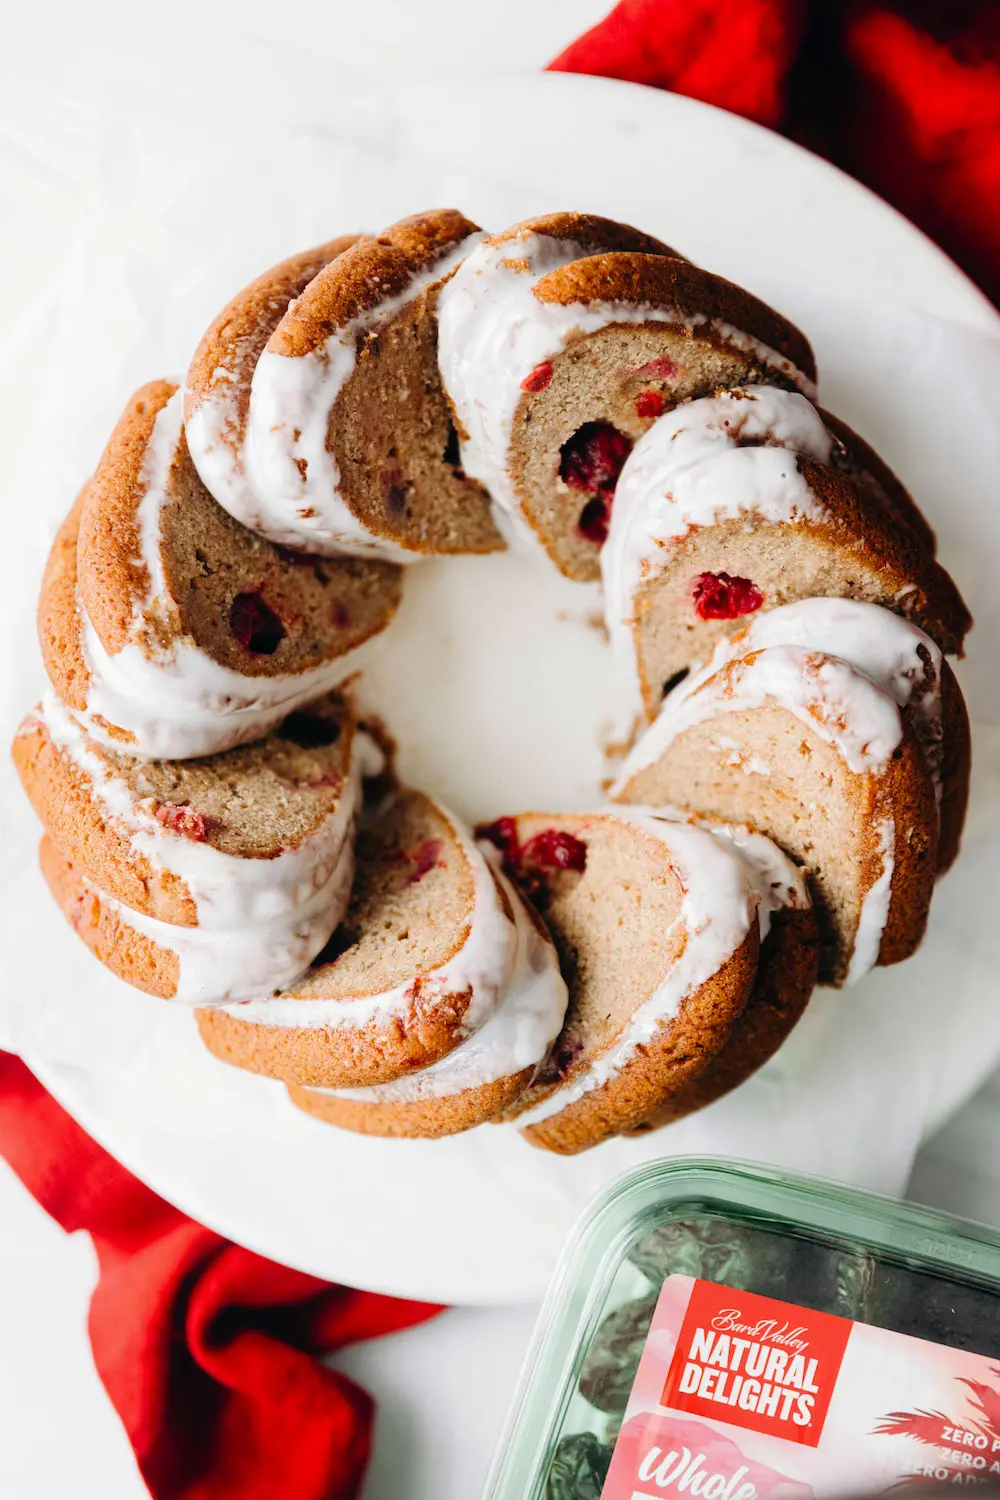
60	793
786	977
110	574
429	1119
676	1055
340	1056
237	337
872	469
955	768
252	801
320	608
370	272
427	919
128	953
666	281
591	231
59	623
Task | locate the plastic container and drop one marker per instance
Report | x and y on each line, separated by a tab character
726	1332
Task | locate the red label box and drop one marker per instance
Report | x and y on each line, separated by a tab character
764	1365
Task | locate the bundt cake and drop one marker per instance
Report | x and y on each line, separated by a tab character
199	879
174	630
220	827
730	505
656	927
423	959
814	754
351	448
562	339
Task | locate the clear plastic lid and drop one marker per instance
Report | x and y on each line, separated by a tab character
857	1262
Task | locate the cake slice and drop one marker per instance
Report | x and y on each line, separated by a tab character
351	445
174	630
421	962
199	965
217	385
732	505
814	754
562	339
657	931
483	1076
786	973
217	843
901	660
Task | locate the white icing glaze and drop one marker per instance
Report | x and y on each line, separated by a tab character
230	892
874	908
894	653
219	964
293	480
709	460
482	965
718	906
516	1036
216	444
835	701
858	718
493	331
779	883
175	700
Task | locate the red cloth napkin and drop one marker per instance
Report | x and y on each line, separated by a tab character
206	1350
904	96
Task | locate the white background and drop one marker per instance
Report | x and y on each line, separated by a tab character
442	1389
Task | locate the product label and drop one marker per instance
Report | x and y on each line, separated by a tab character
739	1396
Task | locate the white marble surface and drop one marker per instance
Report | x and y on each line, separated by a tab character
442	1389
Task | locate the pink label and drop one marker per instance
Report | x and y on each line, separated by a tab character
739	1396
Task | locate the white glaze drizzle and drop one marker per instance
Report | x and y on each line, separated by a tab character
711	459
891	651
874	908
493	331
220	964
779	882
516	1036
230	892
719	903
290	471
845	708
175	700
482	965
834	700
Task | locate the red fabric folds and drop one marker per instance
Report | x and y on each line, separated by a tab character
207	1351
906	97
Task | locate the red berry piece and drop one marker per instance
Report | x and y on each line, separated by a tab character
554	850
503	836
310	731
649	404
563	1057
539	377
340	616
426	859
719	596
183	819
593	457
595	519
657	369
255	624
